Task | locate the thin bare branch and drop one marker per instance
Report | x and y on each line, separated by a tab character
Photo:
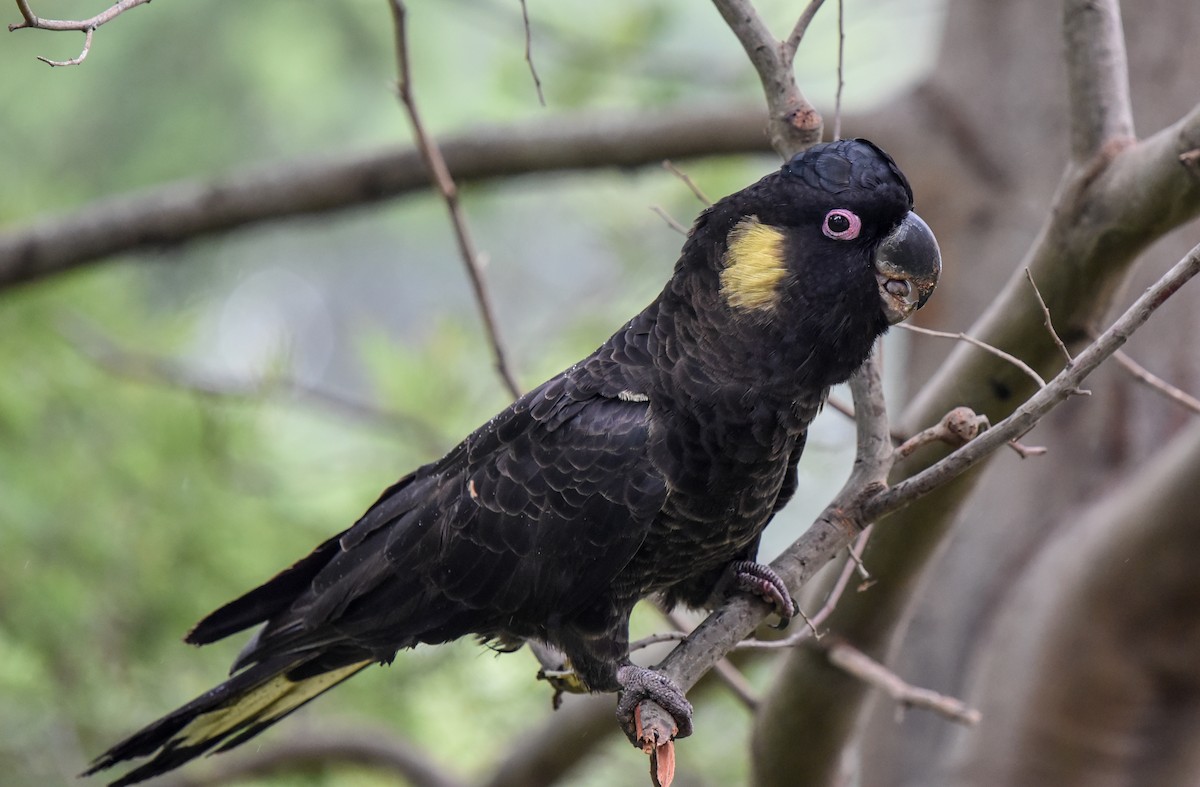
85	26
669	219
1046	315
841	81
537	82
1097	79
996	351
737	684
801	27
669	166
1156	383
88	35
657	639
445	184
854	662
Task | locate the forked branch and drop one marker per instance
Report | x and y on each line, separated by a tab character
85	26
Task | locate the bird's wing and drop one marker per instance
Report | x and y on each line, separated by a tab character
530	517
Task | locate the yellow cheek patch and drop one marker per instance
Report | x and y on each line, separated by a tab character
754	265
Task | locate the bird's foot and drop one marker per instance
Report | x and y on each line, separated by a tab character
639	684
763	582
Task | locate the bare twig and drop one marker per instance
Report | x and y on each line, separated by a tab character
537	82
737	684
801	27
669	219
445	184
841	82
1141	373
854	662
85	26
1046	315
656	639
669	166
996	351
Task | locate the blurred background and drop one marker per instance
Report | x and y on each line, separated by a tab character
176	427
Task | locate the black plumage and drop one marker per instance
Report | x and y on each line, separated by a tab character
651	466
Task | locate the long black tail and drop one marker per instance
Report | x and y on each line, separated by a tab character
224	717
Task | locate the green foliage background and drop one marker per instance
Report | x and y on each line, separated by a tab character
131	505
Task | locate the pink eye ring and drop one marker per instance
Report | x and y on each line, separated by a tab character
841	224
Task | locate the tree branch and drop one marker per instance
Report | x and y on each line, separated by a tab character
85	26
1098	79
1156	383
181	212
793	123
854	662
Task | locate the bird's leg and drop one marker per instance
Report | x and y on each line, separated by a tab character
639	684
763	582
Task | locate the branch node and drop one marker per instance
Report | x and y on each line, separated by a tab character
957	428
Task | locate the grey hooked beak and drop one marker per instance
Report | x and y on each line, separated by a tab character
907	266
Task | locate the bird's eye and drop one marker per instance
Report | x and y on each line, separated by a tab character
841	224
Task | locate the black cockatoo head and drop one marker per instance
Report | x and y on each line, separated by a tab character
830	216
814	261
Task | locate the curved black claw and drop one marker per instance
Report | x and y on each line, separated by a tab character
763	582
639	684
